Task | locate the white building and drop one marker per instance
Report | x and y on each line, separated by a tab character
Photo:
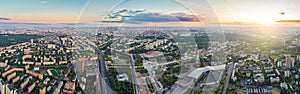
275	79
186	83
122	77
46	80
3	86
283	85
287	73
279	64
10	89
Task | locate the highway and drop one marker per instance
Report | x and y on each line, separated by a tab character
135	85
103	75
229	72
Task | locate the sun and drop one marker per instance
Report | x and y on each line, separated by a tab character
266	22
262	16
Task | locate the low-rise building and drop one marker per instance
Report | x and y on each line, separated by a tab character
69	88
62	62
11	70
275	79
25	83
122	77
40	76
10	76
48	88
287	73
31	87
14	80
284	85
43	90
269	70
268	67
259	78
273	74
46	80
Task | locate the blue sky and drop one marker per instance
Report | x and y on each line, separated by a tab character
91	11
17	7
18	10
58	11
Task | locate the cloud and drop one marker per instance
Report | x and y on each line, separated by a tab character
124	13
143	16
289	21
43	2
4	18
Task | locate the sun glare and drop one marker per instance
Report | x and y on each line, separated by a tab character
266	22
263	16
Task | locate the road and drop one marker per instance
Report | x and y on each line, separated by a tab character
135	85
103	75
229	71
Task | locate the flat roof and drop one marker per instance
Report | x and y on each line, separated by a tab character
197	72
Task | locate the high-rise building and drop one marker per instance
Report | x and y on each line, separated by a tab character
288	61
10	89
279	64
287	73
298	59
31	41
3	86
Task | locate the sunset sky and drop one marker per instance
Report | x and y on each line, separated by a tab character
188	12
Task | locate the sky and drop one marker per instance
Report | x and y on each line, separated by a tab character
149	12
41	11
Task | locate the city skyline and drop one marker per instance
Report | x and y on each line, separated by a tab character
149	47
